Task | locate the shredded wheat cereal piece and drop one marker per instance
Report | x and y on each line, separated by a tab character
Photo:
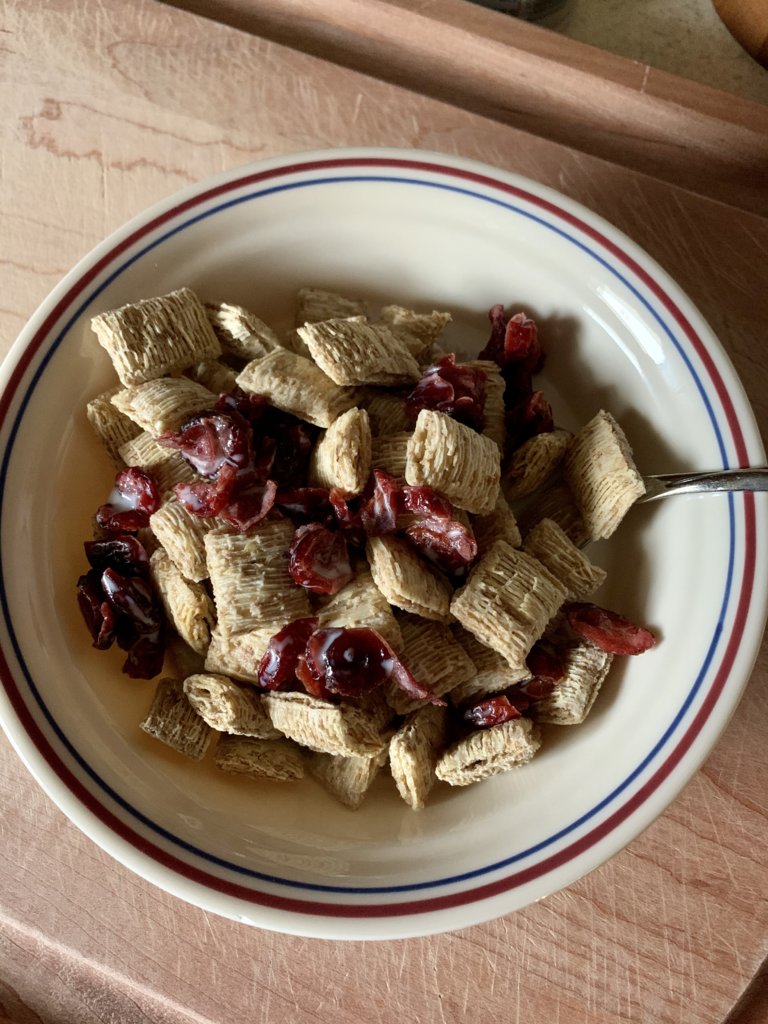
534	462
547	542
249	574
298	386
406	580
414	751
241	333
183	537
390	453
507	601
454	459
187	604
164	403
346	778
328	728
239	656
156	337
386	411
275	760
217	377
166	467
112	427
556	503
314	305
342	457
433	657
494	673
500	524
227	707
489	752
356	352
494	410
361	605
419	331
173	721
602	475
586	668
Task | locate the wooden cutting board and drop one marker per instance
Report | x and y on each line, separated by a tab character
108	106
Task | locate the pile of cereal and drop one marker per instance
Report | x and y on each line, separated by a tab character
319	530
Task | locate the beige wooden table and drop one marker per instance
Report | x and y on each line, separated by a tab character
107	106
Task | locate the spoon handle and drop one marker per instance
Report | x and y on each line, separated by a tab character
754	479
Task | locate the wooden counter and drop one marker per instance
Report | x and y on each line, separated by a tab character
108	106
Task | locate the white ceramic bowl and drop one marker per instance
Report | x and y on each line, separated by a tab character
426	230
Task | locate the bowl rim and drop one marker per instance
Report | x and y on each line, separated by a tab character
307	917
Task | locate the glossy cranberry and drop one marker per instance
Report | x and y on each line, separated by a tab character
348	518
447	543
96	610
454	389
206	499
490	712
125	553
425	501
513	341
249	502
211	440
281	659
306	505
608	630
379	513
145	657
133	500
319	559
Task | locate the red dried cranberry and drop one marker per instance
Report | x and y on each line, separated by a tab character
447	543
278	666
132	596
513	341
544	662
425	501
249	503
319	559
451	388
608	630
306	505
348	518
537	688
96	610
211	439
205	499
352	662
529	417
125	553
133	500
379	513
145	658
490	712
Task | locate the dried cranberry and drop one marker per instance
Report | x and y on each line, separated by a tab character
537	688
513	341
490	712
249	502
425	501
319	559
210	440
96	610
608	630
529	417
348	518
133	500
306	505
278	666
132	596
451	388
544	662
379	513
352	662
205	499
447	543
145	657
124	553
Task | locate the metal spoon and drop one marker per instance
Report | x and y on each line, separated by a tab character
753	479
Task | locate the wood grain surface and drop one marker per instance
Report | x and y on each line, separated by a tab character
108	106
